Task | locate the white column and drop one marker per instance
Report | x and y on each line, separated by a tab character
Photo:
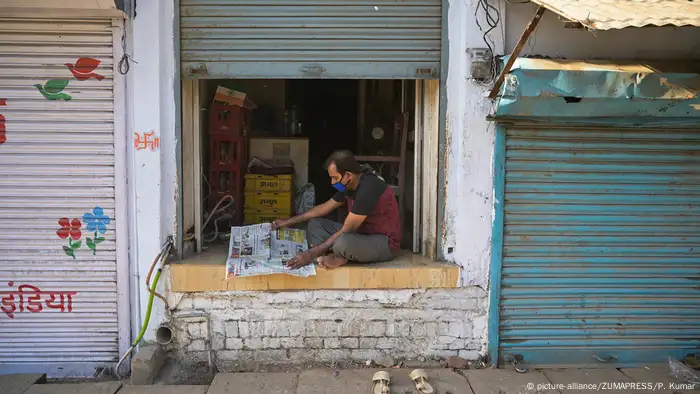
469	205
152	173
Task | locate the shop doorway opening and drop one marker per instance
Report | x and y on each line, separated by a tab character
302	121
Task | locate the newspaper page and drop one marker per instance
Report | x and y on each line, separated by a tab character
255	250
250	241
287	243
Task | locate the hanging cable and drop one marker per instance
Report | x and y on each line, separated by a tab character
221	212
124	64
162	256
492	17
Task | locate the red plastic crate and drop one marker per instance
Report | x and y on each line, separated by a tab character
228	153
229	120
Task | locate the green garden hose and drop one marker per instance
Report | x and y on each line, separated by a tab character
145	323
148	309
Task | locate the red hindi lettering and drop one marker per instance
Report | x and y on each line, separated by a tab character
8	303
62	303
34	303
30	298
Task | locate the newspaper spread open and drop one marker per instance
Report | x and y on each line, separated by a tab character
258	250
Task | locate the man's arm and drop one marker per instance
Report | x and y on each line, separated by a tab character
315	212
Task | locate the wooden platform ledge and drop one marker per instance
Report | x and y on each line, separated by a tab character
206	272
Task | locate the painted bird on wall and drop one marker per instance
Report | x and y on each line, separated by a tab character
83	69
53	89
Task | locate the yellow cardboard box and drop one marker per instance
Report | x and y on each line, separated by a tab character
257	216
268	201
268	183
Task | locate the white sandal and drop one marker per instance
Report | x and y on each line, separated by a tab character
420	378
380	383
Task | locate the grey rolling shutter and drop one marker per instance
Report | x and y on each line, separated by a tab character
57	162
310	39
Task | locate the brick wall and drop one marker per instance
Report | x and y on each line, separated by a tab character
325	326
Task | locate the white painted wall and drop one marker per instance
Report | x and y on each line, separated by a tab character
469	205
470	142
152	175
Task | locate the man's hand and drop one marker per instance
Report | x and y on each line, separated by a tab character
281	223
300	260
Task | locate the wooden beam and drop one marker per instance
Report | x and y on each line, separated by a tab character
431	152
516	51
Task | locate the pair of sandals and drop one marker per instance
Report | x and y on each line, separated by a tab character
382	379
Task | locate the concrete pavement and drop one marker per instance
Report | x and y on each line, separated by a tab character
18	384
354	381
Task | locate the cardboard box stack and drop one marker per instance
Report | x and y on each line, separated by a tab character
268	198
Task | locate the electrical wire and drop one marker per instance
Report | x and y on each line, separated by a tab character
191	236
124	64
162	256
492	17
208	185
218	210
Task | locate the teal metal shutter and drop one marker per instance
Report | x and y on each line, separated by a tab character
601	246
310	38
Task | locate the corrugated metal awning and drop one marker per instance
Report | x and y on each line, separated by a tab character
619	14
638	93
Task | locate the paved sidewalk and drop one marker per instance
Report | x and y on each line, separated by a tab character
358	381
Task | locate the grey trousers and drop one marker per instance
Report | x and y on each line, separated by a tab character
360	248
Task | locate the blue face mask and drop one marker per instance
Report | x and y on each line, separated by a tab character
339	186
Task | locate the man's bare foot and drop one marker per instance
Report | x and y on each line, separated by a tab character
331	261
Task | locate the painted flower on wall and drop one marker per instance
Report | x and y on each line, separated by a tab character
97	223
70	229
96	220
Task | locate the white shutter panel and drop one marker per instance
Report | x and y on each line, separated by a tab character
57	162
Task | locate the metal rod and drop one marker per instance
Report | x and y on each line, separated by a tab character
516	51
